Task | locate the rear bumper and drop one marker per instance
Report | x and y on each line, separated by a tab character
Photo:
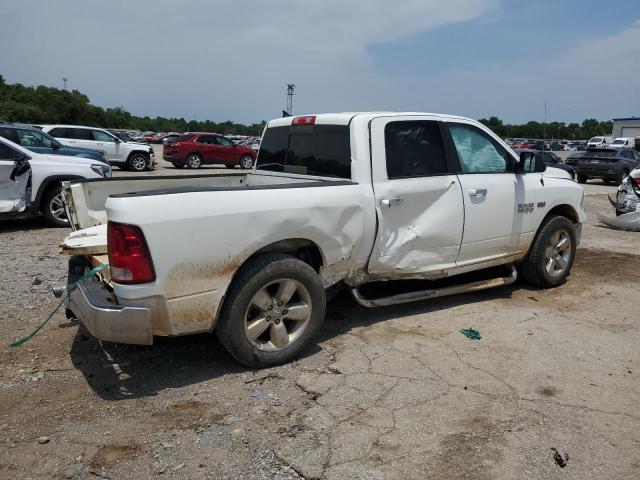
600	171
89	301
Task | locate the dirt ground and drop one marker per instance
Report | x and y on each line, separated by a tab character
392	393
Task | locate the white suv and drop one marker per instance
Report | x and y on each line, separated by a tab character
134	156
47	172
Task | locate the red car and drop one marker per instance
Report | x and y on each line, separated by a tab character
196	149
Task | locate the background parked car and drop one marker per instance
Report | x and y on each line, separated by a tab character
134	156
41	142
550	159
607	163
194	150
15	182
623	142
572	160
598	142
48	171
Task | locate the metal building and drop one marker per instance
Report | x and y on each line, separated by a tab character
626	127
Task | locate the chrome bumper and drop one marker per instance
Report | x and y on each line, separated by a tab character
89	301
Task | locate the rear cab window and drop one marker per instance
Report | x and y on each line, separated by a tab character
318	150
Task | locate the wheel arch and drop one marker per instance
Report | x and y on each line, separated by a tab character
562	210
45	185
136	152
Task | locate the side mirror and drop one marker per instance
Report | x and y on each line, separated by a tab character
530	163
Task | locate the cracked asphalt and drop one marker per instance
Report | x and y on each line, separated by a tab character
392	393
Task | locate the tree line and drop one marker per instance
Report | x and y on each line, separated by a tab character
560	130
41	104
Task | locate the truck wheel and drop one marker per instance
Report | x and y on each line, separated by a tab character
137	162
272	310
194	161
582	179
246	162
551	255
53	207
178	165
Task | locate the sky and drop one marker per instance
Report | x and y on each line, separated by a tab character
231	60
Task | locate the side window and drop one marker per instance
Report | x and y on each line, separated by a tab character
9	134
414	149
99	136
6	152
205	139
30	138
224	141
478	153
550	158
81	134
60	133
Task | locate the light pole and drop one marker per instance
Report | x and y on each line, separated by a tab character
290	89
64	79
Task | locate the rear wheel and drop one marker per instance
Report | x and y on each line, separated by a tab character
137	162
272	310
246	161
194	161
178	165
53	207
549	261
229	165
582	178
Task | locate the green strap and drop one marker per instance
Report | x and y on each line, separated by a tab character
70	289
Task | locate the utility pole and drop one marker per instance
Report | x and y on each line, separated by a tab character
290	93
64	79
544	125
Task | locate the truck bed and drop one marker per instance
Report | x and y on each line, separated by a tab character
86	199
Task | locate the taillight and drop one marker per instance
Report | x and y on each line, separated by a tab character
129	256
635	181
304	120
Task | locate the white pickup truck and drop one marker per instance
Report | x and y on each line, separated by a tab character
351	197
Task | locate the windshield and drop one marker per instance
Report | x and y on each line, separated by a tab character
595	140
618	141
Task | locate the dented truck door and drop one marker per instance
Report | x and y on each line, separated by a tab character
418	197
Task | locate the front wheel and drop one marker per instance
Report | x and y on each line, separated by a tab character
549	261
137	162
53	208
272	310
246	162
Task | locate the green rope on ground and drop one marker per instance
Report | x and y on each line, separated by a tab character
471	333
89	274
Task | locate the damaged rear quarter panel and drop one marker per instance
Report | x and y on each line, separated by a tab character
198	240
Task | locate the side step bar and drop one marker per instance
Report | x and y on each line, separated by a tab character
435	293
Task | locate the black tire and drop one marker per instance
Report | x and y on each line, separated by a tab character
178	165
533	268
194	161
582	178
256	275
51	207
230	165
246	162
138	162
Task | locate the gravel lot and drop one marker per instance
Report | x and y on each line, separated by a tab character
393	393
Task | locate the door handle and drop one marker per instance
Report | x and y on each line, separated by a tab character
391	202
99	144
478	192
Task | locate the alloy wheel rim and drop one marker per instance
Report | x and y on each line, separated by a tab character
138	163
558	253
247	162
194	161
277	315
57	208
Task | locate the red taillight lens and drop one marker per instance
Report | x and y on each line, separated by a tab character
304	120
129	256
635	181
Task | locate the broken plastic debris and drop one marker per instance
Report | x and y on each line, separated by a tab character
471	333
560	457
256	393
626	221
